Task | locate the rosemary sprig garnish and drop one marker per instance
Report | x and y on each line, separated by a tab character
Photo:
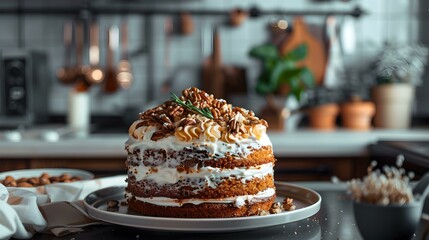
203	111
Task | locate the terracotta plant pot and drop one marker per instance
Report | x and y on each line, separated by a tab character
323	117
394	104
357	115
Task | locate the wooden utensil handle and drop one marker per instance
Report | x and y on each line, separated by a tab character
94	50
111	85
124	40
79	43
168	30
112	40
68	32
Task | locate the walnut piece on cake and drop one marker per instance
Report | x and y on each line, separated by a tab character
195	115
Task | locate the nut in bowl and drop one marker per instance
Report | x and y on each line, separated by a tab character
33	178
385	206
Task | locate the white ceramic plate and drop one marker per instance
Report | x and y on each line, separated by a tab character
28	173
307	202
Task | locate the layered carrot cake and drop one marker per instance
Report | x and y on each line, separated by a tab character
196	156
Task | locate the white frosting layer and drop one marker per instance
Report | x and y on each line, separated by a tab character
237	201
217	149
211	175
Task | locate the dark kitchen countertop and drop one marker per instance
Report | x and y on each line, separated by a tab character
335	220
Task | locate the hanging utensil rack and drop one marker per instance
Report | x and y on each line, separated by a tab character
87	10
102	10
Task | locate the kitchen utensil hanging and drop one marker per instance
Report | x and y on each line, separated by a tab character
213	80
66	74
81	83
94	74
335	70
237	17
186	24
168	32
111	83
124	76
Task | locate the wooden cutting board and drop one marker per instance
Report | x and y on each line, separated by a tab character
316	56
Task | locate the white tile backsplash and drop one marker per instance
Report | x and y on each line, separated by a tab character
387	21
398	31
370	30
9	29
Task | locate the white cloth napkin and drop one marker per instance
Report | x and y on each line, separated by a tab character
56	208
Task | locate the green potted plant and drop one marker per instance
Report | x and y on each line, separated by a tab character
281	76
398	70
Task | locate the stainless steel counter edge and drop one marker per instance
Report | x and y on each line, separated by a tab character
299	143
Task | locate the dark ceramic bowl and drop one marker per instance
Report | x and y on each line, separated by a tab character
391	222
387	222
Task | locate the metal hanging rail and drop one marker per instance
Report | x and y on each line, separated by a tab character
253	11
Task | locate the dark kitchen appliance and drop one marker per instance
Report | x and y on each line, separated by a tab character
23	88
416	154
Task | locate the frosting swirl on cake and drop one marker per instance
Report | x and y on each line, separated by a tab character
229	124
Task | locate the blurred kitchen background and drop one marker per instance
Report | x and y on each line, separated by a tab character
158	54
172	45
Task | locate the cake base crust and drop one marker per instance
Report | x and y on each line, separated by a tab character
205	210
